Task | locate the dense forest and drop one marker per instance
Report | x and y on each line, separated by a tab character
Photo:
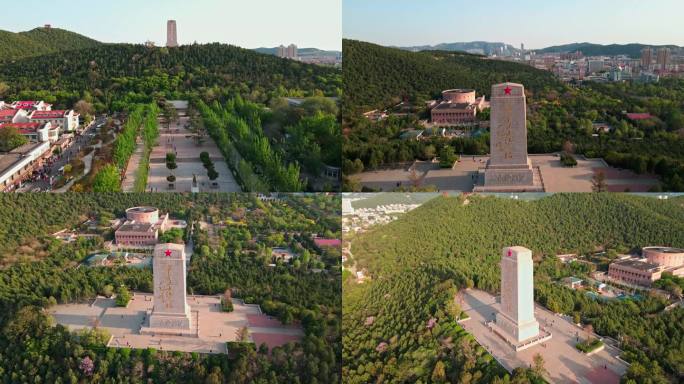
377	77
40	41
448	244
268	147
558	115
47	275
117	75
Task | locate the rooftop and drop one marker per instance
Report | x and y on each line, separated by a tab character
639	116
637	264
135	227
458	90
141	209
48	114
21	125
8	112
454	106
665	249
328	242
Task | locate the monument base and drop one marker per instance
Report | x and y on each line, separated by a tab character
519	332
517	346
499	179
171	325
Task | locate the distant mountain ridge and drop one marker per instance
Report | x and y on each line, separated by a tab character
41	41
487	48
301	52
588	49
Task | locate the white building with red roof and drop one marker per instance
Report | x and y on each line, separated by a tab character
67	119
13	116
37	132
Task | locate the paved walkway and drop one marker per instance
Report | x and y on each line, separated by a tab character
564	363
128	183
180	140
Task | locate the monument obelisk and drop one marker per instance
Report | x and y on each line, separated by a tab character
508	169
516	317
171	310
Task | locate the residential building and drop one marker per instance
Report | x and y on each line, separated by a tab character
19	163
68	120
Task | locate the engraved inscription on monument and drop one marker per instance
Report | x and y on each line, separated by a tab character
508	167
170	309
508	126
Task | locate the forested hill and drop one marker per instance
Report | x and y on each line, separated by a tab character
377	76
41	41
417	263
138	71
589	49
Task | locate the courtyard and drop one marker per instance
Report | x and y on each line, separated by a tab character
215	329
563	362
555	177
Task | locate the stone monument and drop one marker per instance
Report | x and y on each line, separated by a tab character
171	312
508	169
516	317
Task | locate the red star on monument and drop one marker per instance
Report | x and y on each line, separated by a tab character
510	252
507	90
167	253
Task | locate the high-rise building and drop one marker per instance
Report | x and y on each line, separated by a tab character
646	57
292	51
522	47
516	317
289	52
663	58
171	34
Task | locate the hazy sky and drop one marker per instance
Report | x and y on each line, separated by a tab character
246	23
537	23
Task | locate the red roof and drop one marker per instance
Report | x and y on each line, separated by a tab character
48	114
25	104
21	125
23	128
8	113
328	242
639	116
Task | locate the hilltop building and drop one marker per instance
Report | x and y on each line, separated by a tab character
648	268
143	226
171	34
457	106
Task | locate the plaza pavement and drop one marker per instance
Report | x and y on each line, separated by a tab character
215	326
555	176
180	140
564	363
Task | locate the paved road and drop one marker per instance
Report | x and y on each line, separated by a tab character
49	172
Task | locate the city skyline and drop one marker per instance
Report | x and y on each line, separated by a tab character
244	24
536	24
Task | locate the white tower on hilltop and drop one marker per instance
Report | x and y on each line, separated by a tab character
171	34
517	295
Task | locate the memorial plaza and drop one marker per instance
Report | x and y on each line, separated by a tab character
563	362
554	176
216	327
508	167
